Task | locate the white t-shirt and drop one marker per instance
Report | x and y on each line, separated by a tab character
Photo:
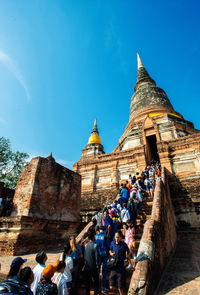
125	215
37	271
69	266
60	281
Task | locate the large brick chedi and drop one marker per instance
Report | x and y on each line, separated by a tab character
46	208
155	131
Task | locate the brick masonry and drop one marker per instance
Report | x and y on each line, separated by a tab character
46	208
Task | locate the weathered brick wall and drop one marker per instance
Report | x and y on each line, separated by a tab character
46	209
48	190
157	243
23	234
94	200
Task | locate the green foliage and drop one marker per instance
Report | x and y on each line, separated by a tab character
11	164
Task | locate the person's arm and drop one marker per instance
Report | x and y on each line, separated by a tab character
111	252
109	229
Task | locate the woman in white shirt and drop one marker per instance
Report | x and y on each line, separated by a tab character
60	280
69	266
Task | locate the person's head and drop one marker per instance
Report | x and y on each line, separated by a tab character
102	228
26	275
61	266
124	205
16	265
41	257
113	213
126	181
105	213
85	236
124	225
94	222
67	248
129	223
124	185
90	237
118	237
49	271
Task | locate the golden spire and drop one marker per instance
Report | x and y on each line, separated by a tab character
94	137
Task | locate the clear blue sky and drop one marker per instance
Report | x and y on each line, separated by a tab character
65	62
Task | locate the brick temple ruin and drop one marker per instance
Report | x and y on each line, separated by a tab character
46	208
154	131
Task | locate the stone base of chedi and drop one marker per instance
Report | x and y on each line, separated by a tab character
46	208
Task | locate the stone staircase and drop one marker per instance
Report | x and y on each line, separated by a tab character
140	220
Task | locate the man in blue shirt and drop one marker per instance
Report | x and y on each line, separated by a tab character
124	193
102	250
121	250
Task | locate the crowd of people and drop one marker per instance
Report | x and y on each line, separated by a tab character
101	258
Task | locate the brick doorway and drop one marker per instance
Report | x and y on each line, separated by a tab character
151	149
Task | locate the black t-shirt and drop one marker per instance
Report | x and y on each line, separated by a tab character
90	256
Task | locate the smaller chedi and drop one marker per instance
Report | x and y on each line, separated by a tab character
94	146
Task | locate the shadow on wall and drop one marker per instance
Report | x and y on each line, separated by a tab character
183	268
185	195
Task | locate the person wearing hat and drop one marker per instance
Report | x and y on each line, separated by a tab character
46	286
102	252
15	266
21	285
41	259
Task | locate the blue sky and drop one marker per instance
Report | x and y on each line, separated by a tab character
64	63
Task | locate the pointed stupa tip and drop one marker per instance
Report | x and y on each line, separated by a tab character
50	156
142	74
139	62
95	128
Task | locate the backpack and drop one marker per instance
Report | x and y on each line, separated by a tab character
14	287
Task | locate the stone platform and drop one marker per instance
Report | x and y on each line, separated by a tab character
23	234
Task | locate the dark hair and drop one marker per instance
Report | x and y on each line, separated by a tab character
14	269
85	235
91	236
94	221
119	233
25	274
61	265
40	257
66	250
